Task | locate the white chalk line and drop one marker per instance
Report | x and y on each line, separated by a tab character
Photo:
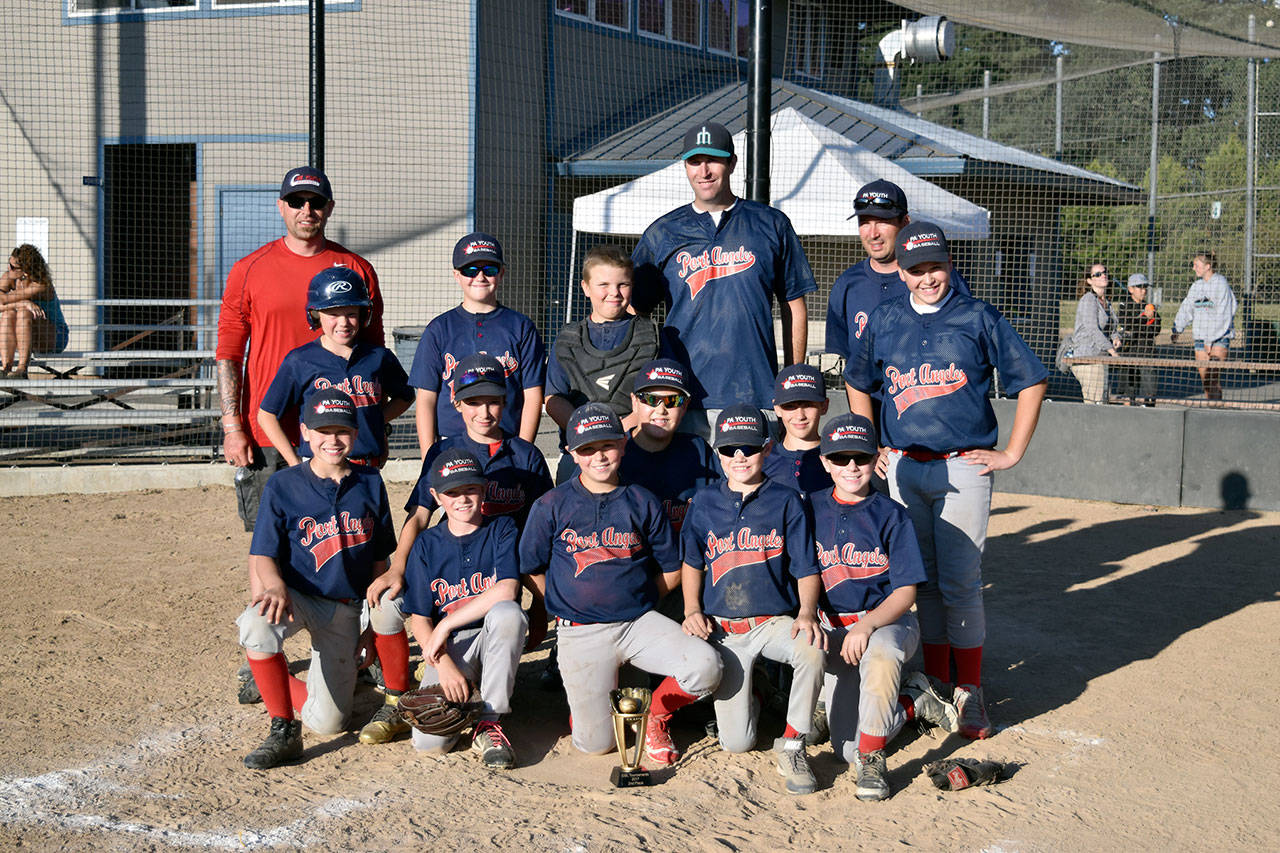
58	799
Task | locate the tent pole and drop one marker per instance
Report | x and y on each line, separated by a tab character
573	265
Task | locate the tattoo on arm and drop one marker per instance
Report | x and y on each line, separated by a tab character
229	387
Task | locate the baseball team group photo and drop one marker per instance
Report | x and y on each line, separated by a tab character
704	526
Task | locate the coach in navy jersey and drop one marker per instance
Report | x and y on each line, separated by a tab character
881	208
718	263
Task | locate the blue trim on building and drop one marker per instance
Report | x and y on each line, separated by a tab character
203	9
933	165
609	168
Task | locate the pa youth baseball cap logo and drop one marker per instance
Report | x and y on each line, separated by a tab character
476	247
660	373
799	383
849	433
454	469
329	407
592	422
922	242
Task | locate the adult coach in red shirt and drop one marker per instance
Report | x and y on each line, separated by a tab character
264	309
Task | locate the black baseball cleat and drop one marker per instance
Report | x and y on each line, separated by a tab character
282	746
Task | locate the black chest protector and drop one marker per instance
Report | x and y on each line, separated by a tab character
604	376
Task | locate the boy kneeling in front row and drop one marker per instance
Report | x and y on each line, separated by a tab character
870	567
323	533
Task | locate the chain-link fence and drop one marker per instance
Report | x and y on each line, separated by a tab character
144	142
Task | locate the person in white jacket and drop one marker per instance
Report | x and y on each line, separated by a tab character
1210	309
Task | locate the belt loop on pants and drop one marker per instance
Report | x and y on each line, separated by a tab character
741	626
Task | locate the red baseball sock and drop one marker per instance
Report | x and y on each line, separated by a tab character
937	661
393	651
272	677
297	692
870	743
669	698
968	665
790	732
908	707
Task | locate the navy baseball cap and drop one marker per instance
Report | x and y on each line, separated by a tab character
880	200
849	433
921	242
455	468
306	179
709	138
479	375
592	422
740	424
799	383
661	373
329	407
477	247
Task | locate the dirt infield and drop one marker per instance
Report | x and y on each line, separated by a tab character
1131	674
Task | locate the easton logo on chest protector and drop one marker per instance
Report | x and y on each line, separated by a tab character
599	546
698	270
326	539
743	548
922	383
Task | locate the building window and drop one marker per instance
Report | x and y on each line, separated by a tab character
675	20
611	13
728	26
806	48
80	10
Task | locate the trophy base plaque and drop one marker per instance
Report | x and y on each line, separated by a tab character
637	778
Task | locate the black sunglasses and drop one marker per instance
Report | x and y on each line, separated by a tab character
840	460
877	202
473	270
1099	274
297	202
731	450
671	401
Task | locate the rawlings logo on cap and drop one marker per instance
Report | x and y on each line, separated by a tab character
592	422
340	287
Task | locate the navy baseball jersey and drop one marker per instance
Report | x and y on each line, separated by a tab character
797	469
866	550
507	335
720	283
752	547
370	375
673	475
600	553
856	293
444	571
325	536
935	372
516	470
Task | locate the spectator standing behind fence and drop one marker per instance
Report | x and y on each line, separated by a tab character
1210	309
1139	325
1097	332
264	308
30	314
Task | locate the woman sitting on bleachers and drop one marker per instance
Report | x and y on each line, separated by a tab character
30	314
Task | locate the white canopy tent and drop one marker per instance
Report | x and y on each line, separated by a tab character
814	174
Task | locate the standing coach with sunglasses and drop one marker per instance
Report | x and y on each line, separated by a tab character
881	208
264	310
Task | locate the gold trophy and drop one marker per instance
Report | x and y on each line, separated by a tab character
630	706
